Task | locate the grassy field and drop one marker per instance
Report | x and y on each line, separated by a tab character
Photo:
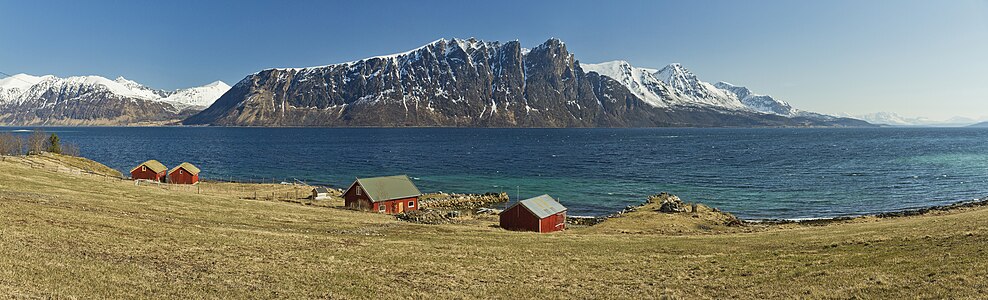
66	234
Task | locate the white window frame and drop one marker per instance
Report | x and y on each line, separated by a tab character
358	190
411	204
144	168
381	207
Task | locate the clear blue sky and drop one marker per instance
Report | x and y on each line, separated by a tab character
918	58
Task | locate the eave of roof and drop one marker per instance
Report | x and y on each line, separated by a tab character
385	188
154	165
542	206
192	169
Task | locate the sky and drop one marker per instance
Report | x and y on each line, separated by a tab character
914	58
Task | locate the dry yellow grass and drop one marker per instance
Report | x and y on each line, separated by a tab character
64	235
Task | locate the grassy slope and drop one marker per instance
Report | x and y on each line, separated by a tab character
65	235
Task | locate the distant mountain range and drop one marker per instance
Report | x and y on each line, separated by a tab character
94	100
473	83
893	119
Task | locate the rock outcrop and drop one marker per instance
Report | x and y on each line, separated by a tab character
668	203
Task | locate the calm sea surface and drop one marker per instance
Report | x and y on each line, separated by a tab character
754	173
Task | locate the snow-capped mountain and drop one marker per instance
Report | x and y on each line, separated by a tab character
761	103
690	87
468	82
13	86
640	81
200	96
50	100
140	89
888	118
894	119
674	86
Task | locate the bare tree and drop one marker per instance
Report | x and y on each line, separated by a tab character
11	144
37	141
71	149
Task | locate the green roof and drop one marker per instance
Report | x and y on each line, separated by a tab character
387	188
187	166
542	206
154	165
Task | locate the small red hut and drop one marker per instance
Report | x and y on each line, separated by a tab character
539	214
389	195
149	170
184	173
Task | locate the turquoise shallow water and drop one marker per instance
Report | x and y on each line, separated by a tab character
754	173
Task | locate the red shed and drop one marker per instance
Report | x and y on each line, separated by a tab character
184	173
149	170
539	214
389	195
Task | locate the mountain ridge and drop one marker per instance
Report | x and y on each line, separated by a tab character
474	83
96	100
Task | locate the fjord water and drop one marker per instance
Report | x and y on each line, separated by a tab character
754	173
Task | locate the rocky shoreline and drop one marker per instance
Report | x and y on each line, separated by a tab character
894	214
667	203
443	208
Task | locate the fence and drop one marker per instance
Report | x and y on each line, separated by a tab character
271	189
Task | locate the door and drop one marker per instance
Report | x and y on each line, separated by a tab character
398	208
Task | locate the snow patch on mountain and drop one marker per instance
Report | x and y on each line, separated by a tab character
690	87
201	96
640	81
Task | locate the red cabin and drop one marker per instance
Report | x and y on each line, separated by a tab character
539	214
388	195
184	173
149	170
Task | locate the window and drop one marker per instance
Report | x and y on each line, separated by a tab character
144	168
180	172
411	203
380	207
358	190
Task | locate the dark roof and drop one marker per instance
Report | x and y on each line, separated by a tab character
321	190
542	206
154	165
187	166
387	188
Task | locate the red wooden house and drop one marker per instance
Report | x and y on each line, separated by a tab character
389	195
184	173
149	170
539	214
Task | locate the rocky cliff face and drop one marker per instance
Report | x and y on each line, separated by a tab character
466	83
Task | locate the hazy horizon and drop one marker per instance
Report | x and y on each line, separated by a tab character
916	59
